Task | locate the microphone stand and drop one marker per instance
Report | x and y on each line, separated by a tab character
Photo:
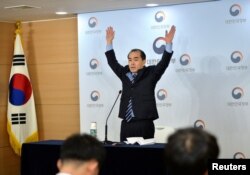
106	141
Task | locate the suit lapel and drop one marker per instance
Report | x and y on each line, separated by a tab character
140	74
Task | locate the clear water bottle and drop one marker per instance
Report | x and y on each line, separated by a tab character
93	129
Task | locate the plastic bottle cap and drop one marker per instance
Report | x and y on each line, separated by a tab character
93	125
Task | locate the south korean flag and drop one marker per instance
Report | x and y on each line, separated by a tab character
21	119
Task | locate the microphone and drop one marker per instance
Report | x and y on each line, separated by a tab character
106	125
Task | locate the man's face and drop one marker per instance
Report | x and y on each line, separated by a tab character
135	61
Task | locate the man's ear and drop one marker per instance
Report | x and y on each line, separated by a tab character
92	165
59	164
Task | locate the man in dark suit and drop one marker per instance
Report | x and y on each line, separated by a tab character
138	105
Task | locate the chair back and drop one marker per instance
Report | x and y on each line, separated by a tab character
162	133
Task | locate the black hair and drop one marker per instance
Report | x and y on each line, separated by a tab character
82	147
187	151
143	55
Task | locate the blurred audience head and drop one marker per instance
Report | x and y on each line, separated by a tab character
187	151
81	154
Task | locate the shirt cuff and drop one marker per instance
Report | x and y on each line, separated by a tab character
168	47
109	47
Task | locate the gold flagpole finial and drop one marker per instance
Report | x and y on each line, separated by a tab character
18	27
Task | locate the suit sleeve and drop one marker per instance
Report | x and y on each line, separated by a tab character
162	65
113	63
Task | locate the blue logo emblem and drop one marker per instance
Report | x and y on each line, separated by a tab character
185	59
199	124
237	93
236	57
159	16
161	48
93	63
92	22
235	10
162	94
95	95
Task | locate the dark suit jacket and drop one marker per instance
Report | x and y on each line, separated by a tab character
142	90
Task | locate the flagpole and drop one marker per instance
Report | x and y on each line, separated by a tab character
18	27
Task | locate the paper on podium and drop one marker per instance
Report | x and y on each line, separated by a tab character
140	141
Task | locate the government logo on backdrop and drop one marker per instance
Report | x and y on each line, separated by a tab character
185	59
239	155
160	19
92	25
95	95
160	16
237	93
159	45
236	57
185	62
93	64
199	124
162	94
94	99
92	22
235	10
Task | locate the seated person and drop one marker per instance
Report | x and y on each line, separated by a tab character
81	154
187	151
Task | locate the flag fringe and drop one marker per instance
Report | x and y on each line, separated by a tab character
15	144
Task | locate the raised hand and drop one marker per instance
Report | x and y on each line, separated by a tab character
110	34
169	36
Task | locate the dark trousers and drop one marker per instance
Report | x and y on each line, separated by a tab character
140	128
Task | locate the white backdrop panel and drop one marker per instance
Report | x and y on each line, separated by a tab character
206	83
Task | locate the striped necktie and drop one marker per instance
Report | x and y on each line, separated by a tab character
129	112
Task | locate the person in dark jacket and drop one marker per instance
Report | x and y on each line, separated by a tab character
138	105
